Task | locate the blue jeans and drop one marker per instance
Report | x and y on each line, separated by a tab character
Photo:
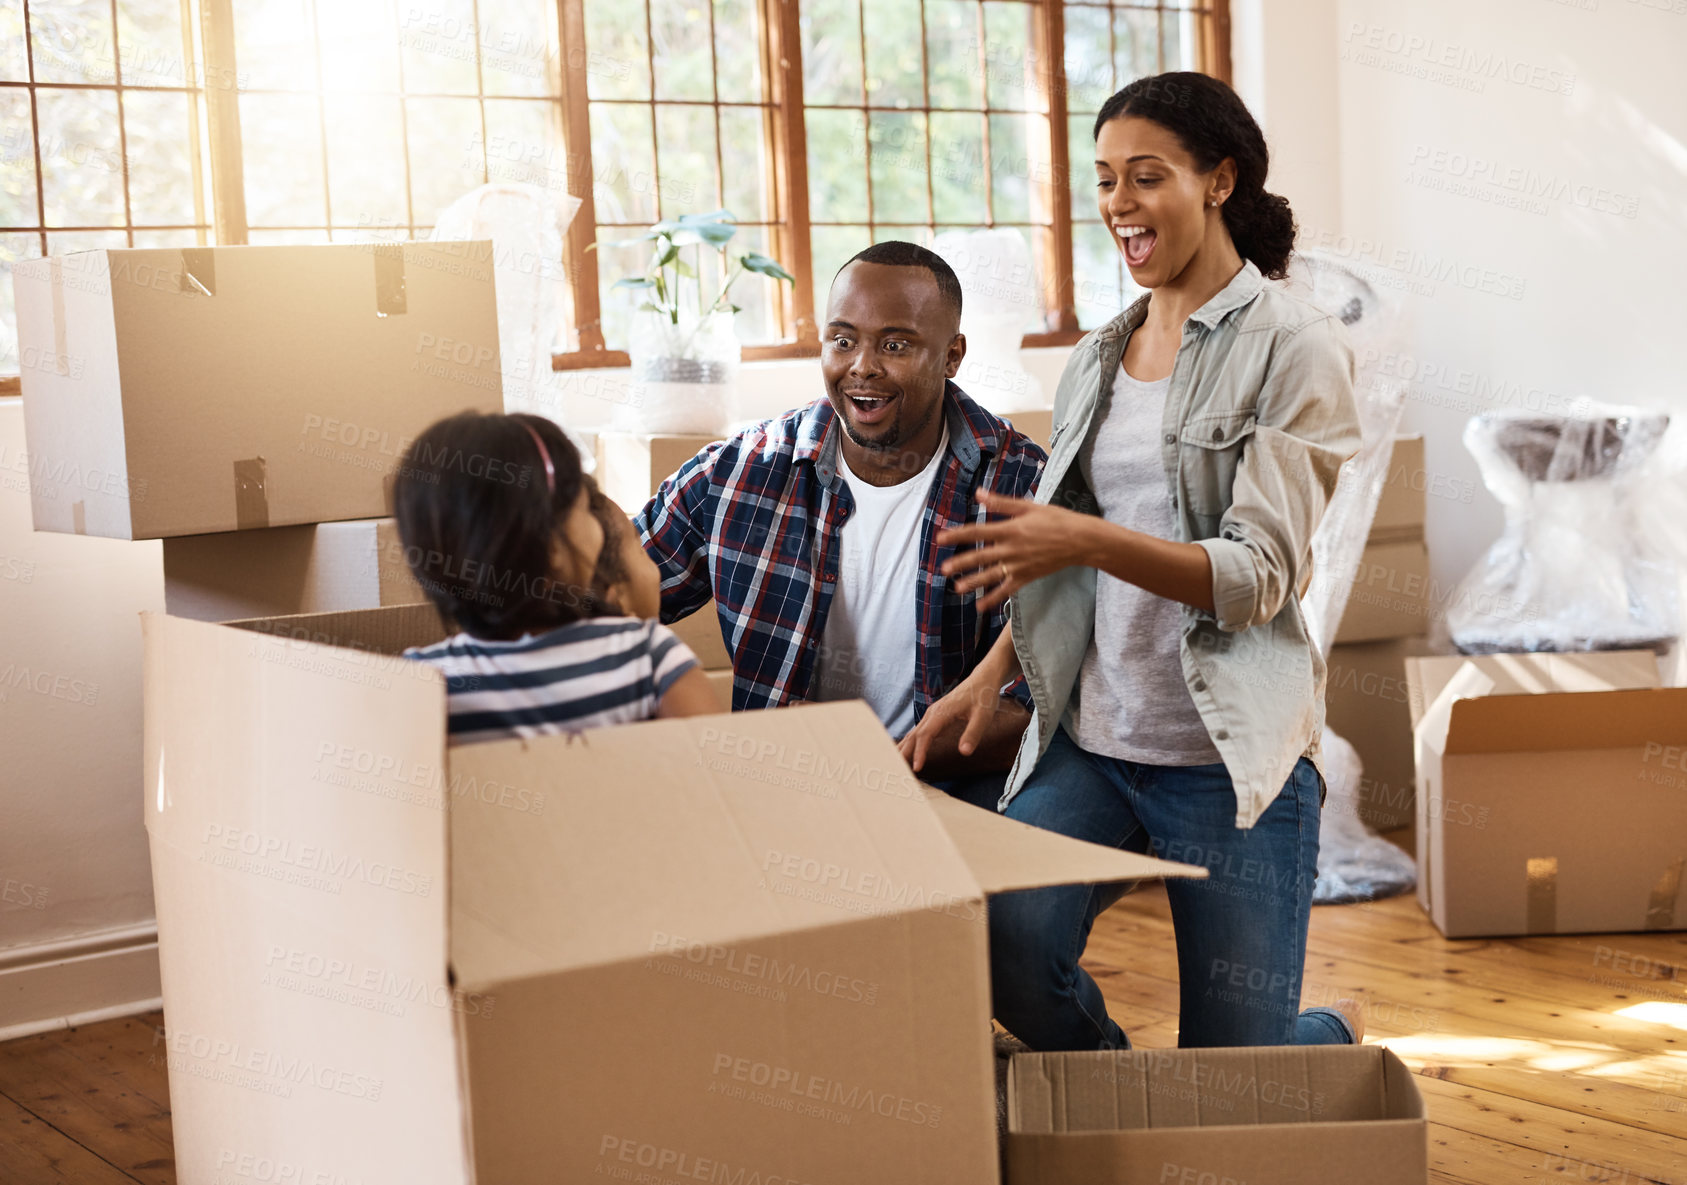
1241	933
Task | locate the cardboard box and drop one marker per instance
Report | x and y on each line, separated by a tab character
1391	593
706	948
721	681
701	631
1400	508
1036	424
1308	1115
1367	703
224	388
631	467
316	568
1549	793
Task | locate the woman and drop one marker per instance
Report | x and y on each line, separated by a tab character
1178	699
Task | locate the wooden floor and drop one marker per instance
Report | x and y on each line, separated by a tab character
1542	1059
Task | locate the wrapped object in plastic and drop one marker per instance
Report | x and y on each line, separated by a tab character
1001	301
1354	863
1586	560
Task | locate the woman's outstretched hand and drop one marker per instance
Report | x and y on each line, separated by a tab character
1027	543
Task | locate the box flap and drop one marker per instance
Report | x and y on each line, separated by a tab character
1005	854
1528	674
388	630
1571	720
719	828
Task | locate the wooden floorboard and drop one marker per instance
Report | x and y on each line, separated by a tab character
1555	1059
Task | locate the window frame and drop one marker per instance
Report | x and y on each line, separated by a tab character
787	138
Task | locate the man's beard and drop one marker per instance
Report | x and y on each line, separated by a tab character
892	438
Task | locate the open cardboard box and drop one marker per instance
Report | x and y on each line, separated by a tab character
747	947
181	391
1549	793
1305	1115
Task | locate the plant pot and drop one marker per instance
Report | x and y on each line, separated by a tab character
685	376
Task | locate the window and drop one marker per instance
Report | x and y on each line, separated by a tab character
822	125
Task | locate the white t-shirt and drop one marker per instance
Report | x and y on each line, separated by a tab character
868	646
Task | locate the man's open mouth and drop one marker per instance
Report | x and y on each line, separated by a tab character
870	406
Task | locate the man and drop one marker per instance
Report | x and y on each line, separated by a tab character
815	532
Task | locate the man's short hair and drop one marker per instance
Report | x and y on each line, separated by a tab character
897	253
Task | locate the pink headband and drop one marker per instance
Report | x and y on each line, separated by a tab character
544	455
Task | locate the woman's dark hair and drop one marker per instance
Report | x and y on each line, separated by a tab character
479	524
1213	123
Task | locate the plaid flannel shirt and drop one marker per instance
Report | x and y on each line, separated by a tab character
753	522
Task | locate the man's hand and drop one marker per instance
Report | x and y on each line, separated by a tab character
973	729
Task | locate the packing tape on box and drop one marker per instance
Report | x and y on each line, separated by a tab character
1660	910
199	270
390	297
1542	914
251	502
78	519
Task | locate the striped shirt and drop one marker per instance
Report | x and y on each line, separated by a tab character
588	674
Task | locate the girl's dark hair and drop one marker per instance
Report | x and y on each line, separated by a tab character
1213	123
479	525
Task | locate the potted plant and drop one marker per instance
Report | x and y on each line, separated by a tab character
684	357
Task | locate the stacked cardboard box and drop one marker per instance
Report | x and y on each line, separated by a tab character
1550	793
630	466
1386	621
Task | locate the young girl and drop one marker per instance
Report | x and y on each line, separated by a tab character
545	578
1178	699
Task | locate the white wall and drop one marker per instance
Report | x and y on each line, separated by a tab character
1516	300
74	870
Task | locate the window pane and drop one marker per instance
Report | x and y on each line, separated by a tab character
616	305
438	47
831	248
81	158
520	52
366	161
744	160
72	41
738	51
441	171
149	33
837	166
685	144
14	63
262	236
759	298
623	164
1089	62
275	44
681	32
1097	275
897	148
952	54
957	171
831	51
1080	156
160	165
12	249
174	237
359	44
1177	40
17	161
893	53
1014	165
1008	28
524	145
281	140
1136	44
617	61
66	242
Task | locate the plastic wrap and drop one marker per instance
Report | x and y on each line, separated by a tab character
1587	557
1354	863
1001	301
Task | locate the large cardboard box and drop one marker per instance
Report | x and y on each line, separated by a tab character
1392	592
223	388
701	631
747	947
315	568
1308	1115
1037	424
1549	793
630	466
1367	702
